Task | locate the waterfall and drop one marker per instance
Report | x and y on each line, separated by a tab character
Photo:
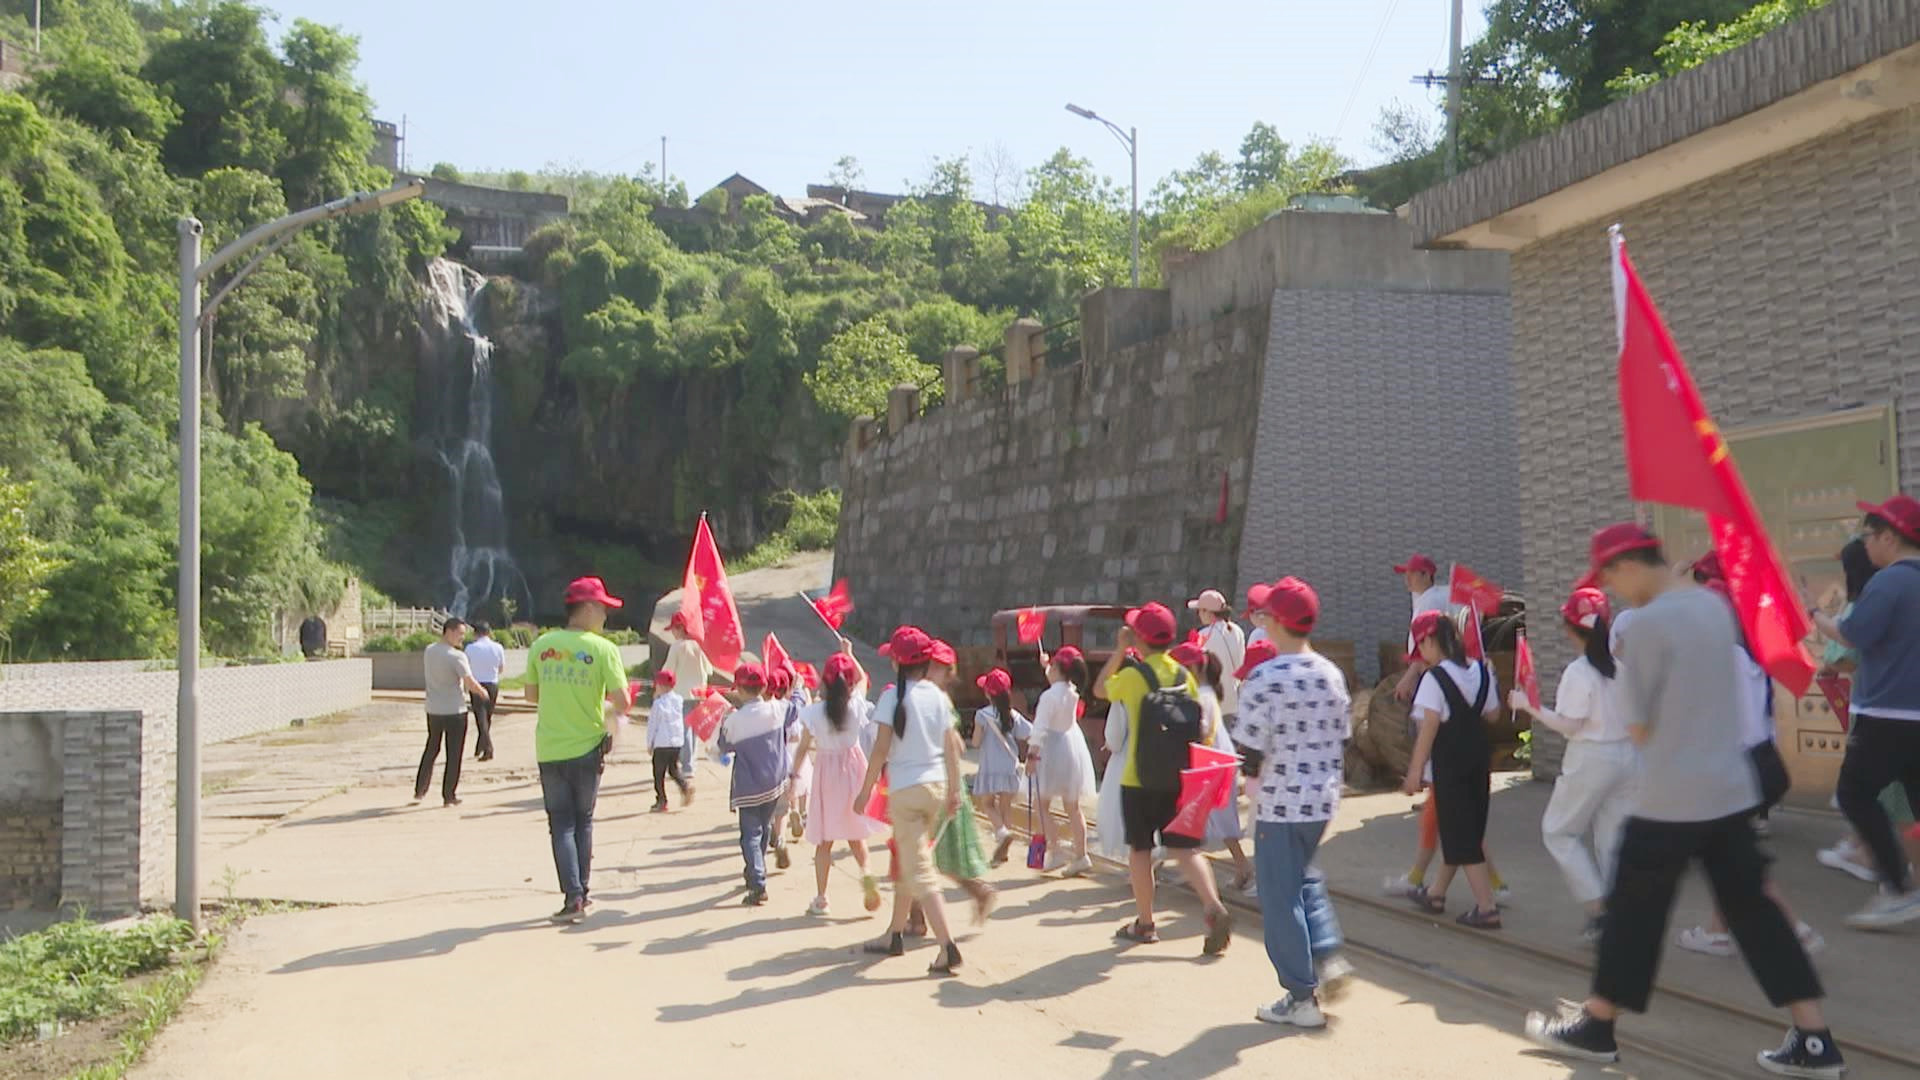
479	565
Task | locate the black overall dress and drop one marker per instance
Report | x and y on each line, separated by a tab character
1462	771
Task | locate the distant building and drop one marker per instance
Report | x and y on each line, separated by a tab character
494	223
872	206
386	146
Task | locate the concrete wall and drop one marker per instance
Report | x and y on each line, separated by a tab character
93	831
234	701
1097	483
1384	429
1792	286
1306	251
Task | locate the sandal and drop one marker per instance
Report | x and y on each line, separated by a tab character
1138	933
1219	933
894	945
1475	919
948	963
1426	902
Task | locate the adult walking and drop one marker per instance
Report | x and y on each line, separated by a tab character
573	676
1679	688
487	659
1221	638
1293	736
449	680
691	673
1159	699
1883	741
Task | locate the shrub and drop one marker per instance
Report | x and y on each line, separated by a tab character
73	970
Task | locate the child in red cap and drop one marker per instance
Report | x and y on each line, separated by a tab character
998	731
832	729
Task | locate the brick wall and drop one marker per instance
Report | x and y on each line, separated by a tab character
1792	286
30	853
1383	430
85	819
1096	483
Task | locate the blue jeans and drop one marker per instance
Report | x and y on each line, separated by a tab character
569	789
1297	914
688	742
756	823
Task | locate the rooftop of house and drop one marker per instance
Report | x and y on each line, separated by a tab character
1834	67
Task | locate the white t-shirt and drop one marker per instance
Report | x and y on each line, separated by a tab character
919	754
859	716
1756	719
1437	598
666	721
1430	698
1586	696
1298	716
1224	639
1259	633
487	658
1058	709
688	664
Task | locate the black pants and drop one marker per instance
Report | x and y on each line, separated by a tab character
1880	752
1462	802
666	762
453	729
483	719
1653	855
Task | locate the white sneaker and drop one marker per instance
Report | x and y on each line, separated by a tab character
1000	835
1081	865
1699	939
1887	911
1288	1010
1399	886
1503	894
1057	860
1252	891
818	906
1810	939
1845	858
1334	975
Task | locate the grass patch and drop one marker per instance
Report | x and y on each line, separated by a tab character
812	521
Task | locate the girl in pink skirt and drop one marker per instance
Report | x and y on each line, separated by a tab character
834	726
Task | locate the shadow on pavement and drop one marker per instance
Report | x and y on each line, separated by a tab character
438	943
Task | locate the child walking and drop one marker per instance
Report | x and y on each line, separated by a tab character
666	734
755	734
1451	706
1065	766
997	733
1223	825
833	726
1595	790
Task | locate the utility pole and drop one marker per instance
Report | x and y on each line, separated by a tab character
36	27
403	142
663	166
1453	92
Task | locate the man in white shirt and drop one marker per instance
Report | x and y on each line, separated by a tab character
1223	639
487	659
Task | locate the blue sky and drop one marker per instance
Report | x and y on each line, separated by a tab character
778	92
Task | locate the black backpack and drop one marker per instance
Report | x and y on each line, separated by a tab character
1169	722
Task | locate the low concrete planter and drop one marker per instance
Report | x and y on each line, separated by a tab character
399	671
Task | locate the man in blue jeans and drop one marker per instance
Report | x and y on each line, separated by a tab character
1295	718
572	677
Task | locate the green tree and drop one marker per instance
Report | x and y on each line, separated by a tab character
98	92
1694	43
322	115
26	561
859	367
225	82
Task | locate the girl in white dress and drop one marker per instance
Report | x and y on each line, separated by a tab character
1063	765
997	731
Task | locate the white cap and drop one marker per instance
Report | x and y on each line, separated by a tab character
1210	600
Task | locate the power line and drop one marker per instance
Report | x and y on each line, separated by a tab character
1353	95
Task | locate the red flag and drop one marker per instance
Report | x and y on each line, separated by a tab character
1201	756
1030	624
1839	693
1471	638
707	603
1676	456
1201	790
774	655
705	717
1472	590
835	606
1220	518
1524	673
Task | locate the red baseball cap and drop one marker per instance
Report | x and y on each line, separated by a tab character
909	645
780	680
1258	652
1294	604
1154	623
841	668
997	681
591	590
1707	567
1257	596
1586	607
1066	654
1188	653
663	679
1425	625
1609	544
750	677
807	674
1902	512
941	653
1417	564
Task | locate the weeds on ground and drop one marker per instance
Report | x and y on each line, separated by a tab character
75	971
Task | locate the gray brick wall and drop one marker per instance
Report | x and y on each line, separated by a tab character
30	853
1384	429
234	701
111	819
1792	287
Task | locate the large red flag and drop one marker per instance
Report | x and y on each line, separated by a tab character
1676	456
1201	791
707	603
774	656
1471	590
835	606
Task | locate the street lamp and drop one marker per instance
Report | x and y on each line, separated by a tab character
194	273
1130	138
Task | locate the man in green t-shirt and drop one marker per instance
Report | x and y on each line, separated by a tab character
1150	631
572	676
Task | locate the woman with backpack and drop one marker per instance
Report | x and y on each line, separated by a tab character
1452	705
833	726
1062	763
997	732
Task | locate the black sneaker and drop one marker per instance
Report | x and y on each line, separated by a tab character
754	897
572	911
1575	1035
1805	1054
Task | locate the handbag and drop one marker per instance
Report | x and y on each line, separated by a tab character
956	847
1036	847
